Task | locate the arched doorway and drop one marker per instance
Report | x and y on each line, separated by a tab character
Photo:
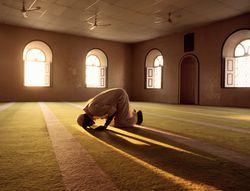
189	80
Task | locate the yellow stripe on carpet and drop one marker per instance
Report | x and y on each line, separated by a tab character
5	106
27	160
79	170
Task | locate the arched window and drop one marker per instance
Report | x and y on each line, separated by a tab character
236	52
37	57
95	71
154	65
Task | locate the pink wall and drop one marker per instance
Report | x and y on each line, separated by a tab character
208	46
69	54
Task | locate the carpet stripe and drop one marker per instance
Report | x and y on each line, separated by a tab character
79	170
5	106
212	149
75	105
205	114
240	130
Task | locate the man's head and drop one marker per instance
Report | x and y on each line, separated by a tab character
84	120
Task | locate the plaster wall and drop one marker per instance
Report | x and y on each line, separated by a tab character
208	44
68	71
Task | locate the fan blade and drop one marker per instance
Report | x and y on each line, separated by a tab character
94	16
158	22
93	27
90	17
33	9
30	7
43	13
25	15
97	1
103	25
90	23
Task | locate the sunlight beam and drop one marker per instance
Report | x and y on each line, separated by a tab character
144	139
133	141
186	184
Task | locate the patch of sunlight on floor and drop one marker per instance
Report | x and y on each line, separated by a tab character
144	139
186	184
133	141
240	117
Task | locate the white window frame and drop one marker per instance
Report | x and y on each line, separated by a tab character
229	72
154	80
45	64
232	72
101	67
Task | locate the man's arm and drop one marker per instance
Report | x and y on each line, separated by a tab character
109	119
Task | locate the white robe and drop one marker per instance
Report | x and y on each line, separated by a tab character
109	102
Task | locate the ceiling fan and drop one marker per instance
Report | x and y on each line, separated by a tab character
31	8
161	20
96	23
24	10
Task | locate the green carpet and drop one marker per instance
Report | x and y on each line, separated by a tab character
133	158
113	149
27	158
221	137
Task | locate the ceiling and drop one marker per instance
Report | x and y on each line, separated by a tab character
130	20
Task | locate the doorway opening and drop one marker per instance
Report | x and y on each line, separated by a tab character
189	80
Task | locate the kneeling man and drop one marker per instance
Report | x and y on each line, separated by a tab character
109	104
